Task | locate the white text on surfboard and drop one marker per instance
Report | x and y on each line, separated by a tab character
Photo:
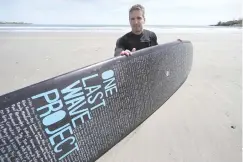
64	109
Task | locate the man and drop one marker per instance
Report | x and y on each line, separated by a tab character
138	38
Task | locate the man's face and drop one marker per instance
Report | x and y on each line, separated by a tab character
136	21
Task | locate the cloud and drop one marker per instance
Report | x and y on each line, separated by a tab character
116	12
189	12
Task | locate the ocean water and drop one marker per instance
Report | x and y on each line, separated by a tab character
114	28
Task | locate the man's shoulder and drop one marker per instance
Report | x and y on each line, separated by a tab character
124	37
149	32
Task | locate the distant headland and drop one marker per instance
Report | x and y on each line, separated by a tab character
237	23
11	23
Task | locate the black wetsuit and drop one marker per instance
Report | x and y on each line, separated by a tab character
130	40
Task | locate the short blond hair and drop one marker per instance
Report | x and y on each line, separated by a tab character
137	7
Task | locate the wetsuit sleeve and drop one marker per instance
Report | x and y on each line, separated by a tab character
119	47
154	41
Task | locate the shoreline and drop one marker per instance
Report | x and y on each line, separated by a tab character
122	30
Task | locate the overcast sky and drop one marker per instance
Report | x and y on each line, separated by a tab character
160	12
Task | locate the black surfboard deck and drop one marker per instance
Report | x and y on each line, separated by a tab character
80	115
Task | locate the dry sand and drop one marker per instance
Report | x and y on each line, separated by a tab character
200	123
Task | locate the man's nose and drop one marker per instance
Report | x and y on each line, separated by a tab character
136	21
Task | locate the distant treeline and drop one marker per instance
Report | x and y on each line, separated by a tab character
230	23
5	22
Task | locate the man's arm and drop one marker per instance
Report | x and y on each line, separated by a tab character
119	47
154	41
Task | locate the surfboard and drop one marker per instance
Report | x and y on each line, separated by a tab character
80	115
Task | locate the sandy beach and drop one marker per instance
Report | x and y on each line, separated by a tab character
200	123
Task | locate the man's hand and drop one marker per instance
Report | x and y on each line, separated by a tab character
127	52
